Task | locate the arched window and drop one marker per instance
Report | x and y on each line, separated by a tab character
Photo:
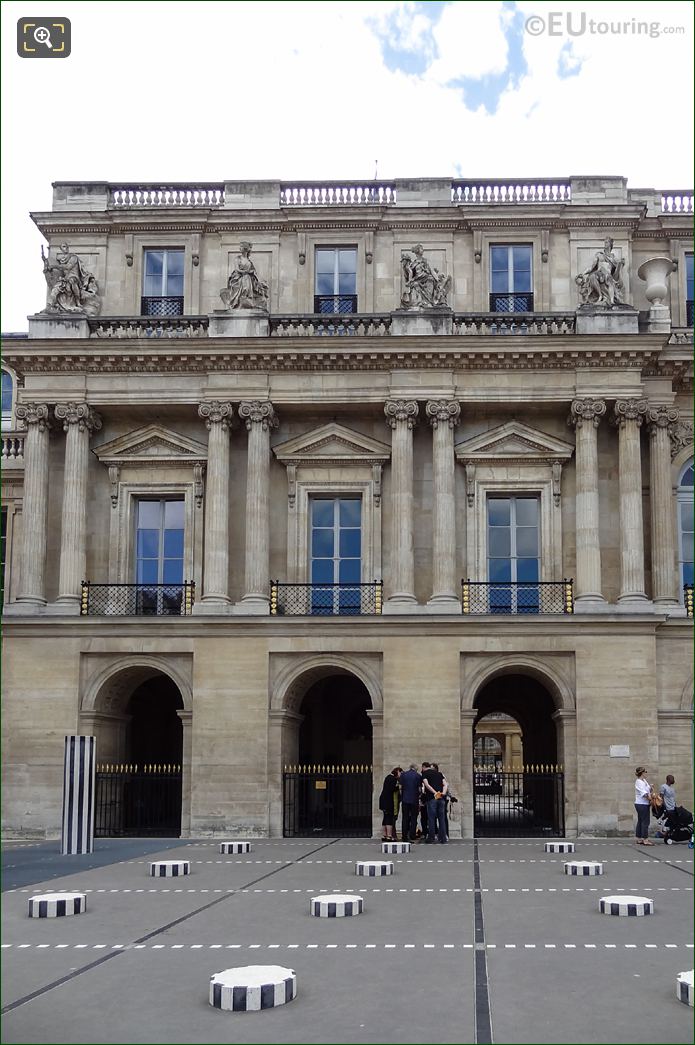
685	525
7	400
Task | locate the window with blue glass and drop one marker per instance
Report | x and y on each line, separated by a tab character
336	279
511	278
685	525
7	399
336	555
162	290
513	554
159	555
689	289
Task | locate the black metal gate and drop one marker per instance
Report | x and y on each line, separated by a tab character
530	802
327	800
138	801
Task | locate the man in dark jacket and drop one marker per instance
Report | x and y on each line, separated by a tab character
435	787
410	783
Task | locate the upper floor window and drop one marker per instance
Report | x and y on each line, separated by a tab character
159	555
511	278
336	554
335	288
162	289
685	525
7	400
3	549
513	553
689	289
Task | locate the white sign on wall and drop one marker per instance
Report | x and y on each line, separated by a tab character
619	751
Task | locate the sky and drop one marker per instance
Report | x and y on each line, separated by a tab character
229	90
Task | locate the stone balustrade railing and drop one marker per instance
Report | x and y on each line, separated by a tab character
676	201
518	323
175	194
337	194
148	326
331	325
12	448
523	190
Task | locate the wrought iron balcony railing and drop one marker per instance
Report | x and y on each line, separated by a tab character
137	600
516	302
688	599
161	306
689	313
340	303
518	597
325	600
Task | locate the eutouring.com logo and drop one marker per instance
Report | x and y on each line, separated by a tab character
578	23
43	37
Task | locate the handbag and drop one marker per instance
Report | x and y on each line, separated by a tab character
656	802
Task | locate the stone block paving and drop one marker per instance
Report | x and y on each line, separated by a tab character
136	966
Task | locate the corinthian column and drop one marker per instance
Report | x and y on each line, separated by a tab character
659	421
585	416
218	419
401	417
259	417
628	417
79	421
34	418
444	416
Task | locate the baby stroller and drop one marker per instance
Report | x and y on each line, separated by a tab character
678	826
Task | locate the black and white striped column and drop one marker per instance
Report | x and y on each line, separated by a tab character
373	868
253	987
169	868
78	795
395	847
626	906
584	867
227	848
57	905
336	906
684	987
559	847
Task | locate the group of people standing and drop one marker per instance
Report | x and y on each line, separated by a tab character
416	793
646	799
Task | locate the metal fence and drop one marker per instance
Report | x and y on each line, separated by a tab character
325	600
327	800
688	599
137	600
161	306
138	801
520	597
335	303
528	802
511	302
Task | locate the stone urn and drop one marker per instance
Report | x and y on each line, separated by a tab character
655	273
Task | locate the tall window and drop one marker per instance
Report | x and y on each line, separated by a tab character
689	289
3	549
513	550
336	279
511	278
159	555
7	397
336	554
162	291
685	525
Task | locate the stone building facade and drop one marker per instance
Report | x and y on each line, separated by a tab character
275	425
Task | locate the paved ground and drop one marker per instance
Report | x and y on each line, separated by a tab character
485	941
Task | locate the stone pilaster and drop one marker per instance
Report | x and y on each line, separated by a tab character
34	419
628	417
218	420
259	417
79	421
401	417
444	416
659	421
585	416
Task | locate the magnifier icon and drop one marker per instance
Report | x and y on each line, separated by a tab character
42	36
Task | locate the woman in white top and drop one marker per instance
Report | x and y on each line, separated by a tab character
643	792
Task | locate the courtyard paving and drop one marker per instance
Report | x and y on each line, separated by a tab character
476	941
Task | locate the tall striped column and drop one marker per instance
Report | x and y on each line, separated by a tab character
78	795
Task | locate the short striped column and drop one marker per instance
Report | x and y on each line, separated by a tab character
336	906
169	868
227	848
57	905
559	847
583	867
79	769
684	987
373	868
395	847
626	906
252	987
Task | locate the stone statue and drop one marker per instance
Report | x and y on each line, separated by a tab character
425	286
70	287
244	289
602	283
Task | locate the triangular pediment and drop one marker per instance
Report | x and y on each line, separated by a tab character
332	443
153	443
514	441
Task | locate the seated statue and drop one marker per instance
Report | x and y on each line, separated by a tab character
244	289
602	283
70	287
425	286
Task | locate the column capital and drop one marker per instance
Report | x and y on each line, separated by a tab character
629	410
33	414
659	417
214	412
443	411
587	410
401	410
257	411
80	414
